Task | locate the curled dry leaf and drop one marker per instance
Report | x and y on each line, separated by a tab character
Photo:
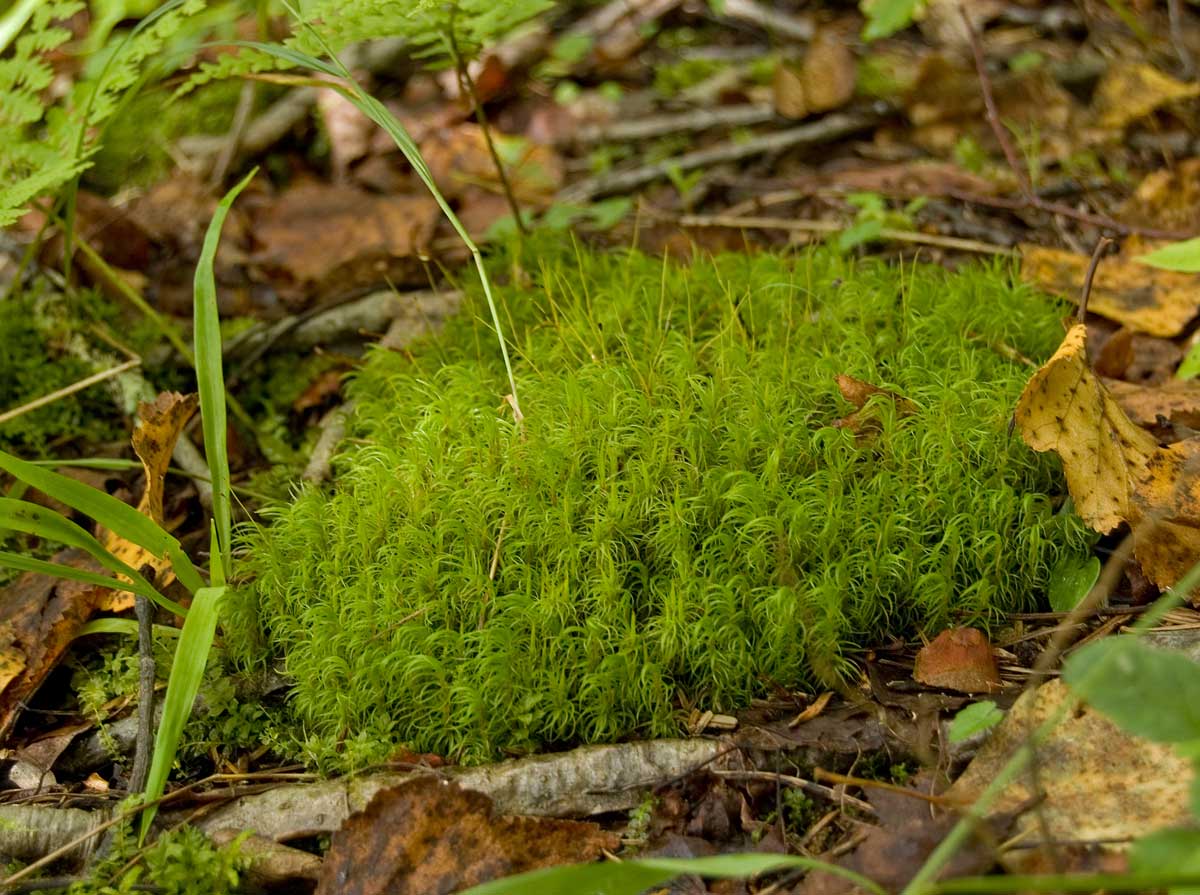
1115	470
159	424
430	835
858	393
958	659
1158	302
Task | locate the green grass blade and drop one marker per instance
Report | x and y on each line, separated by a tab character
126	627
634	877
20	515
120	518
60	570
187	670
210	377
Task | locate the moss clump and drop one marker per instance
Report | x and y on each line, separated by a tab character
677	515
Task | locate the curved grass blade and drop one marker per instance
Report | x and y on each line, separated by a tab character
118	517
187	669
124	626
20	515
634	877
61	570
210	377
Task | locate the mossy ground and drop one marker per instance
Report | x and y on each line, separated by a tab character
677	519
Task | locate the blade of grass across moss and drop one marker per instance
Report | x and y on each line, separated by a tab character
187	670
20	515
377	112
210	377
115	515
126	627
633	877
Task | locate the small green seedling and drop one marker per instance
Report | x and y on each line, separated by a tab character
1072	579
975	718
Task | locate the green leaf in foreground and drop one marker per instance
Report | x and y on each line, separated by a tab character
1190	367
210	377
1181	256
886	17
1177	849
1070	581
975	718
187	668
59	570
1150	692
634	877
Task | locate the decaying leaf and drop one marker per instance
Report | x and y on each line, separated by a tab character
1100	783
1131	90
824	81
1115	470
430	835
958	659
1175	403
1168	198
158	428
39	617
858	393
1158	302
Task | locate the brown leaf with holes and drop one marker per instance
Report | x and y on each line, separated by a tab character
1158	302
39	617
958	659
430	836
158	428
1115	470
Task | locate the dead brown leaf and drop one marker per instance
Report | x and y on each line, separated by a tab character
458	158
958	659
159	424
1158	302
39	617
858	393
824	80
322	240
1100	783
1132	90
428	835
1168	198
1173	403
1115	470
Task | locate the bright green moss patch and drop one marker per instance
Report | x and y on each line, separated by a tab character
676	519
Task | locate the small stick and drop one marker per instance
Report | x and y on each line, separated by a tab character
833	777
816	789
145	729
1097	254
693	120
69	390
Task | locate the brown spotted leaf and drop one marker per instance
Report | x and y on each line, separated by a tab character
1115	470
431	837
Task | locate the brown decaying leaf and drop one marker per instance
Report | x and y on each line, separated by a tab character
39	617
321	240
431	836
458	158
1173	403
823	81
1131	90
958	659
858	393
154	437
1115	470
1099	782
1168	198
1158	302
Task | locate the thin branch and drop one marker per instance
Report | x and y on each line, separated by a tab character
69	390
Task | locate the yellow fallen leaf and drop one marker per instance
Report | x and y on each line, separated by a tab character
1115	470
1158	302
158	428
1131	90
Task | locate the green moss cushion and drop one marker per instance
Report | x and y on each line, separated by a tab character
677	520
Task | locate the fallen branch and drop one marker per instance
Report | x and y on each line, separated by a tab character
824	130
691	121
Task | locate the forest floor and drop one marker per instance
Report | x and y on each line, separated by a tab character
1059	142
